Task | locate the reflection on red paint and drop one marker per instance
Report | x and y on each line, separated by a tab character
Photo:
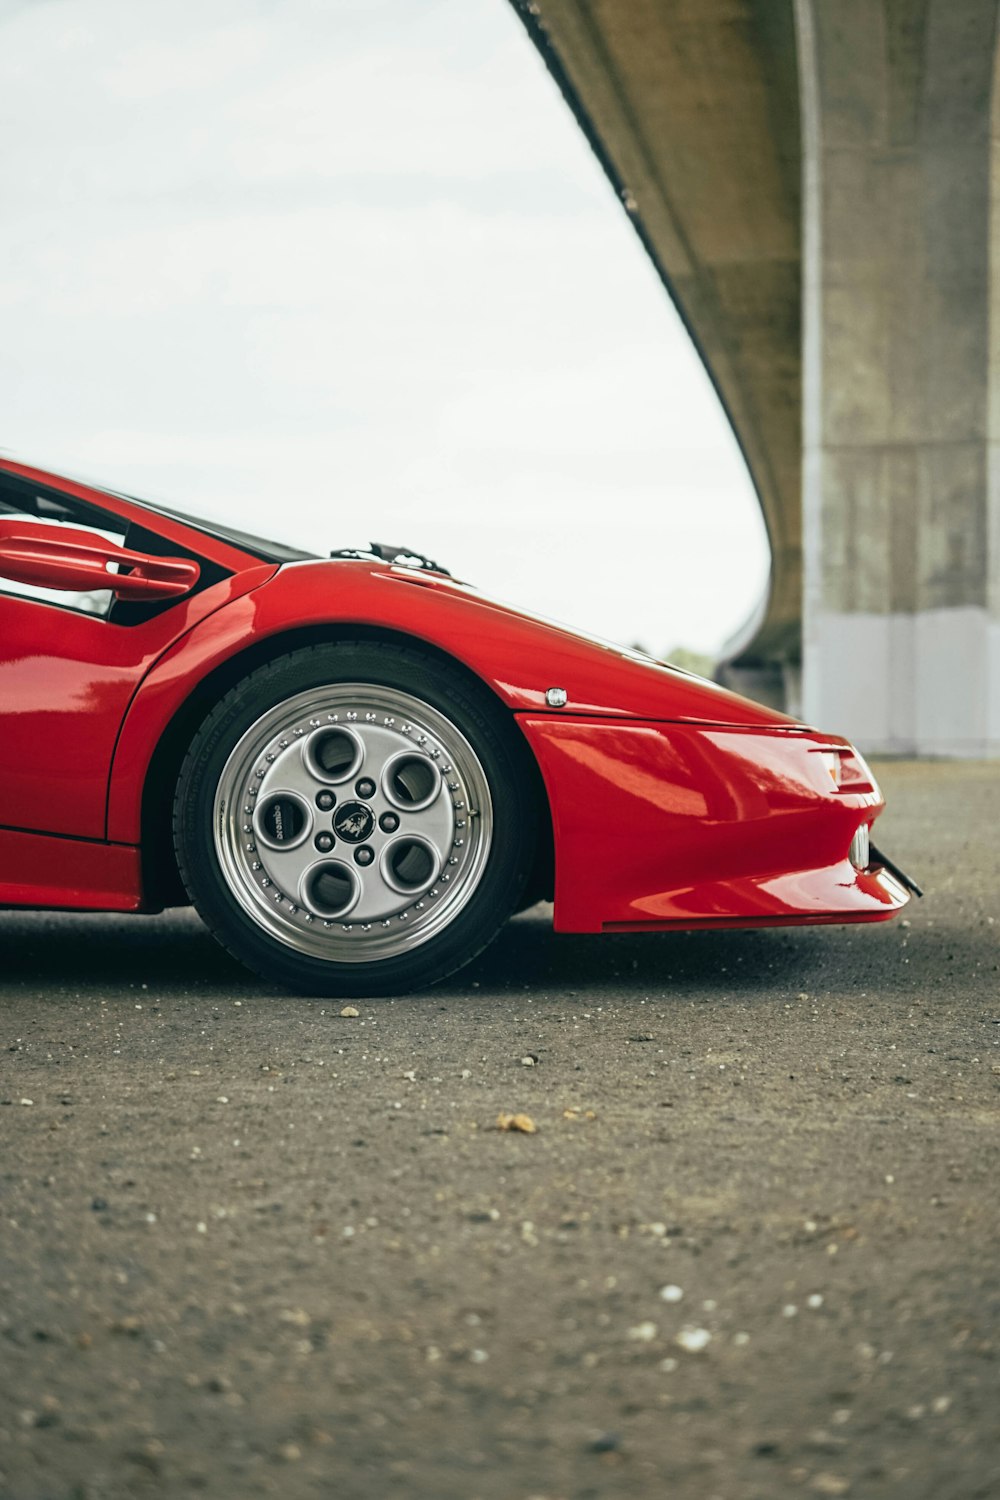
691	826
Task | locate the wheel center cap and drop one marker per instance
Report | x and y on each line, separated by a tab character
353	821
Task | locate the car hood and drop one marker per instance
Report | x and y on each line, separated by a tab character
523	655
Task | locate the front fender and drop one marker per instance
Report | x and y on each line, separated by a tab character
516	655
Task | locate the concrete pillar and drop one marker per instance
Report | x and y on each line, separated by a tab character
901	405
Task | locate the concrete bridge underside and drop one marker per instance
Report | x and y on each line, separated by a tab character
814	181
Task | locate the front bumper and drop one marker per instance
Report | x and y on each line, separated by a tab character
665	825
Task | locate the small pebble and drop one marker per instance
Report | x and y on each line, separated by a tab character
694	1340
671	1293
522	1124
643	1333
814	1300
350	1010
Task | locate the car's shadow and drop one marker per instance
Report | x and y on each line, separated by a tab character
60	954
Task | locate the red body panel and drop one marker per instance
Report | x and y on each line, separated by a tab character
38	870
518	656
66	681
669	825
66	678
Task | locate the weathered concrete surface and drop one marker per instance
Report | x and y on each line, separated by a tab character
250	1248
730	123
902	602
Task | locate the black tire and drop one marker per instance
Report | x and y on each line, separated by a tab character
275	943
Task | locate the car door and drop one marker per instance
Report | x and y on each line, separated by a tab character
71	658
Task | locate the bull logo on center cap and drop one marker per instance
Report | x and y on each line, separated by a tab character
353	821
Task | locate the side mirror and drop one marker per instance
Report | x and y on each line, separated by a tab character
63	557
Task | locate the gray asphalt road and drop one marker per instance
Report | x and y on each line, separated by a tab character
250	1247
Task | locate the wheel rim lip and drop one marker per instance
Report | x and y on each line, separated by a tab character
387	938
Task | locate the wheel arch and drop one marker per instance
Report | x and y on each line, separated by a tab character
161	881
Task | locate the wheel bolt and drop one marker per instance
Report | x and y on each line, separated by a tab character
388	822
365	787
325	800
324	842
364	855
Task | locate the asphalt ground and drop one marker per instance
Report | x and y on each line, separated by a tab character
249	1247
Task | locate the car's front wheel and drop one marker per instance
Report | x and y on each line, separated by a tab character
355	819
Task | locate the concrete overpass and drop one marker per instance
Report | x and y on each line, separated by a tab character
814	180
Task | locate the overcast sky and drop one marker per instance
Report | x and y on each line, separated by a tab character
338	270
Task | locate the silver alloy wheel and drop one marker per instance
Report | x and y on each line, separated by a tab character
353	822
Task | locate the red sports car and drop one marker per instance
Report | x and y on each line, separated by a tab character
356	768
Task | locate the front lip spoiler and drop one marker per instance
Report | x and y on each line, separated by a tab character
878	858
